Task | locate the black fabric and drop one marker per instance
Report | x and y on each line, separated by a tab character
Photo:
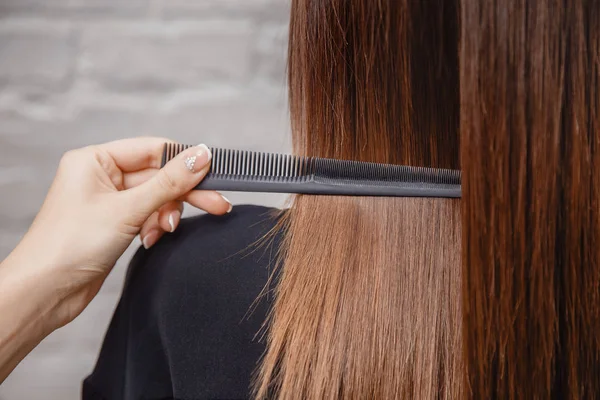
187	321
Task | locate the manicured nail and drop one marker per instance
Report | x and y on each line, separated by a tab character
195	162
230	205
174	218
150	239
205	150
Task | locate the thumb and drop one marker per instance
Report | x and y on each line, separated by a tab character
175	179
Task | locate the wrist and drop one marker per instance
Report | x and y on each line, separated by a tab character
39	272
26	306
29	294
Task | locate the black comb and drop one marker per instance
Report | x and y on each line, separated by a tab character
248	171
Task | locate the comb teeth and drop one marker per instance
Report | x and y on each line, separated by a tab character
344	170
248	164
171	150
257	166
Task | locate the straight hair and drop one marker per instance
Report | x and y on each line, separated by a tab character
530	130
407	298
367	301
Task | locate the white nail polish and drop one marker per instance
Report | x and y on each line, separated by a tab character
207	150
151	238
171	222
230	205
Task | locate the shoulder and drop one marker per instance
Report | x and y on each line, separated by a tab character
223	233
198	288
245	223
208	247
188	317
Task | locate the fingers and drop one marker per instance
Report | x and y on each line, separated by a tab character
164	220
176	179
209	201
151	231
136	153
167	218
133	179
169	215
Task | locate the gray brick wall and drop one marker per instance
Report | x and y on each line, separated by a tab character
77	72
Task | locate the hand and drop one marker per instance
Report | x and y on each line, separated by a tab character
101	198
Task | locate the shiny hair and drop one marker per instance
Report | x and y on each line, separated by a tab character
530	153
496	295
367	303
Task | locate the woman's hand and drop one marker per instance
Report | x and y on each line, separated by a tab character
101	198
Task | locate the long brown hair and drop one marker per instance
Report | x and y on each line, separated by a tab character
368	299
530	144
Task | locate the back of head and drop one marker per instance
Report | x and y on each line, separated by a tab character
368	299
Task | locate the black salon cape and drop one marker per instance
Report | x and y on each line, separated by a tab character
186	325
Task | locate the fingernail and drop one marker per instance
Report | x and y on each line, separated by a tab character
174	218
230	205
150	239
196	162
205	150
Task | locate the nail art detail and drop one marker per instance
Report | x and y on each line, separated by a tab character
190	162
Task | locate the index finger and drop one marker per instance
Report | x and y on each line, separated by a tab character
135	154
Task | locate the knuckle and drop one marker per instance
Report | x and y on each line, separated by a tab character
69	158
76	158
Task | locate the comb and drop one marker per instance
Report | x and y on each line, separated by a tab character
248	171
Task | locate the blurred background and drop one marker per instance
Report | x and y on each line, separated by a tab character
78	72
